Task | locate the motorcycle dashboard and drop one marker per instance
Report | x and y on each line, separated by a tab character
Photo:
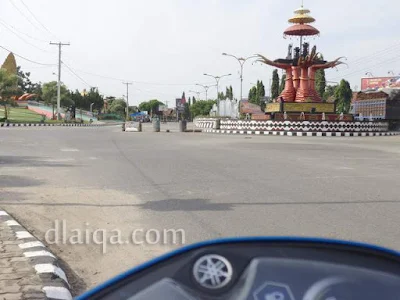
263	270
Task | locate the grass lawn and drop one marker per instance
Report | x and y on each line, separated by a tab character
24	115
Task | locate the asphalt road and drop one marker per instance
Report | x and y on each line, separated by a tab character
208	185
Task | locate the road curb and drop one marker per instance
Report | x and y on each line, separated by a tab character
301	134
55	284
8	125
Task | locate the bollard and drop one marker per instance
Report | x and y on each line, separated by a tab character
140	127
182	126
217	124
156	125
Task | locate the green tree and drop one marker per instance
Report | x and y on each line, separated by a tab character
275	84
320	80
118	106
93	96
8	89
282	86
49	91
343	96
253	95
193	100
150	106
260	92
186	113
77	98
221	96
257	93
201	108
26	85
329	91
144	106
229	93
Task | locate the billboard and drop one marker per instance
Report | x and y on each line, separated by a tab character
377	83
180	104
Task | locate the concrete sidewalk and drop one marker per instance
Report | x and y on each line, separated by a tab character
25	270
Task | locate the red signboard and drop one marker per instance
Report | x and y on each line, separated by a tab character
377	83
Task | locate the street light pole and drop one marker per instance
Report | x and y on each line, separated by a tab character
217	79
197	93
241	61
206	88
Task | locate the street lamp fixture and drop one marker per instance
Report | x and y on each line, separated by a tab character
369	74
241	61
206	88
217	79
197	93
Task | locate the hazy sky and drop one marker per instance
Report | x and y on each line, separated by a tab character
164	46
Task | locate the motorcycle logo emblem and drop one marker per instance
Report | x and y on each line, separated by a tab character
212	271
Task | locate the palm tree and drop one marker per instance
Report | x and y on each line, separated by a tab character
8	89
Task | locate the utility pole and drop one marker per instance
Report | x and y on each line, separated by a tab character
59	44
127	99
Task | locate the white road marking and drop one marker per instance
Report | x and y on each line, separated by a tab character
23	235
38	253
69	150
344	168
12	223
3	213
56	292
30	245
49	268
58	160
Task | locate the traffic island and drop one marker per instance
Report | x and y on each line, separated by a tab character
296	128
12	125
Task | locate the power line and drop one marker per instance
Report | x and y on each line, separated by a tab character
27	59
25	17
97	75
76	75
37	20
24	33
386	51
366	68
134	81
22	39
